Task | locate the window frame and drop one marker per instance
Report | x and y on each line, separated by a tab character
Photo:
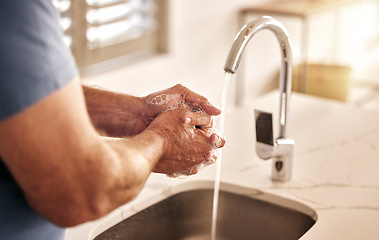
90	61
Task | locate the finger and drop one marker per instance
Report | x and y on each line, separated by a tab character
210	157
194	98
161	101
203	102
211	125
216	141
194	170
197	119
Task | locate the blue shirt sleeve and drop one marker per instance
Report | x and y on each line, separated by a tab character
34	61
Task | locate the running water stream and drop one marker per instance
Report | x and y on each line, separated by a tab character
227	81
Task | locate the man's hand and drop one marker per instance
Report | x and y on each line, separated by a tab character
190	139
160	101
188	130
122	115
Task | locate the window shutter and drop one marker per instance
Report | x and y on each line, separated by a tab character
101	30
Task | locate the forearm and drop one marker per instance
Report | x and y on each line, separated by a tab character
137	157
68	173
103	175
115	114
129	162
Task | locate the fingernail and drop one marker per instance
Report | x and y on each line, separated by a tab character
217	143
212	160
186	120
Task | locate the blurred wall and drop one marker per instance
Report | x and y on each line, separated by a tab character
201	33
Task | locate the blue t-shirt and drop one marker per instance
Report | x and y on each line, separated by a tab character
34	62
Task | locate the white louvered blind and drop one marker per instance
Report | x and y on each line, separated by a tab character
102	30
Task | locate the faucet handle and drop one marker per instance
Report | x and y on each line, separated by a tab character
264	134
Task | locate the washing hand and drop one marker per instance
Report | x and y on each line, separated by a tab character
190	139
160	101
182	117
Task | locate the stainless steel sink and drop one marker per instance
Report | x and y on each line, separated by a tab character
244	213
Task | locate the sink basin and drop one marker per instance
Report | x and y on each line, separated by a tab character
185	213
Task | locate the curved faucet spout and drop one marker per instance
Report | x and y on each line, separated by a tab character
241	41
283	150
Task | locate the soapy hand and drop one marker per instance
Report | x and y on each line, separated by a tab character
122	115
160	101
190	139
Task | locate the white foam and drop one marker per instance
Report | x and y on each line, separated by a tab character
180	105
163	99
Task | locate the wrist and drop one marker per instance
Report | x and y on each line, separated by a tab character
147	110
155	145
142	110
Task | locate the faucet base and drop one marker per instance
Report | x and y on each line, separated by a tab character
282	161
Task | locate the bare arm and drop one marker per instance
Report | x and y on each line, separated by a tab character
119	115
115	114
68	173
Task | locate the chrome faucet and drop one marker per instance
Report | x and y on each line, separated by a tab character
281	151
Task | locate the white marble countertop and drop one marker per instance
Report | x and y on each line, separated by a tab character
336	167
